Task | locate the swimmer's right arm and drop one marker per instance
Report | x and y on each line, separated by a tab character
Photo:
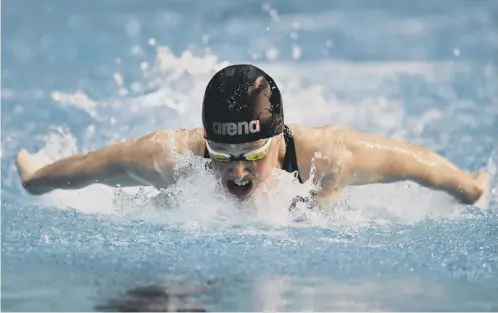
143	161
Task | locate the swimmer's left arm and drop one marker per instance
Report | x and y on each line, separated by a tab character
374	159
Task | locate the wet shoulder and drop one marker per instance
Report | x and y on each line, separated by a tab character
182	140
327	141
318	137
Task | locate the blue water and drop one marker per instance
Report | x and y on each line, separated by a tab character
78	75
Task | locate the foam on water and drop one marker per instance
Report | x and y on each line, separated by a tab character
168	95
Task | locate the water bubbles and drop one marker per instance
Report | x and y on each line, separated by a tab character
271	54
136	50
136	87
45	239
123	92
272	12
296	52
274	16
90	131
133	28
118	78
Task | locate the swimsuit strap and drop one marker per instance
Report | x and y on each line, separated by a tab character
290	158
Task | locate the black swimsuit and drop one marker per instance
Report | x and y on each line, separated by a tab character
290	158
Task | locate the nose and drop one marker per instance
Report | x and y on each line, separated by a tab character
239	170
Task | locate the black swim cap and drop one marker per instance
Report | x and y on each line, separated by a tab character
242	104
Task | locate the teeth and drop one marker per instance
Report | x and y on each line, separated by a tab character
241	183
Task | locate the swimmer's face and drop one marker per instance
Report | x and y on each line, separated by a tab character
241	177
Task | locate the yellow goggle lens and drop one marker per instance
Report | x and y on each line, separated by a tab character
220	157
255	155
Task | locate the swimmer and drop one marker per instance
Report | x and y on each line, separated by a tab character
244	135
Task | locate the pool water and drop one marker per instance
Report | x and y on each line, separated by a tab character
77	76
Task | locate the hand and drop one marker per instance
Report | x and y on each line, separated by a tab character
483	180
27	165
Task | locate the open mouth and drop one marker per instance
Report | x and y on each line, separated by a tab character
239	188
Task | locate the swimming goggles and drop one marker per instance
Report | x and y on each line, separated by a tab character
253	155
